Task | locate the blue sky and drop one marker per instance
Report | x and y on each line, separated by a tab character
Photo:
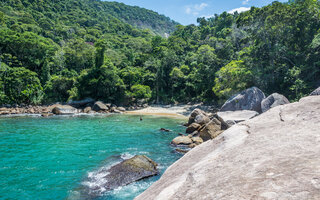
187	11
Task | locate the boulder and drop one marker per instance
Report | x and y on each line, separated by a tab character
81	103
192	128
61	110
99	106
249	99
211	130
272	101
194	114
122	109
202	119
87	109
233	117
315	92
181	140
197	140
124	173
272	156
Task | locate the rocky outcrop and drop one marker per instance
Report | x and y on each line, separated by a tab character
124	173
211	130
99	106
194	114
64	110
315	92
203	127
24	110
193	127
202	119
233	117
272	101
272	156
249	99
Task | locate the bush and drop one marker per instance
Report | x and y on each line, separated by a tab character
141	91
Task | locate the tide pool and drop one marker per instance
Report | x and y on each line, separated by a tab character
50	158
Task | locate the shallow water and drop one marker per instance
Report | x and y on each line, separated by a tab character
51	158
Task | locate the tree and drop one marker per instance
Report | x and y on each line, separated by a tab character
21	85
231	79
101	83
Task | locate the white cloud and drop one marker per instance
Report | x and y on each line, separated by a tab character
244	2
195	9
239	10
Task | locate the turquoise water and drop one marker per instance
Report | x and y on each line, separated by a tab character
51	158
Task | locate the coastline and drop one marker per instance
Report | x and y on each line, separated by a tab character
176	111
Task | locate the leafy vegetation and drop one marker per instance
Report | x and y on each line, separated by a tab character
72	49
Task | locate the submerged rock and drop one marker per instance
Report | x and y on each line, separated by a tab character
165	130
249	99
272	101
272	156
64	110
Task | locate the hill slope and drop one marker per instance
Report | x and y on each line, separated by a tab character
90	12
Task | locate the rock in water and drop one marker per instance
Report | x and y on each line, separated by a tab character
124	173
131	170
315	92
272	156
99	106
181	140
272	101
249	99
64	110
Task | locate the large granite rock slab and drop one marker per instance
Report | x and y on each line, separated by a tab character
249	99
272	101
315	92
233	117
272	156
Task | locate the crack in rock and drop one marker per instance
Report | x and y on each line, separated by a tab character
280	115
248	131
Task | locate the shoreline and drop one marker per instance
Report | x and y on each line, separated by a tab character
175	111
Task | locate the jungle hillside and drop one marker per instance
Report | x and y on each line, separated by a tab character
61	50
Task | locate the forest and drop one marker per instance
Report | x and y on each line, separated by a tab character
61	50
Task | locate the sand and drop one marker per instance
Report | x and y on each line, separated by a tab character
175	111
